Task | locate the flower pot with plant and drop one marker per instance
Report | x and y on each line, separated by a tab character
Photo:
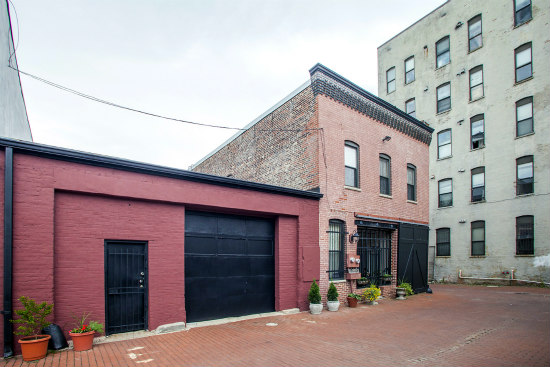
332	298
83	334
314	297
362	282
353	299
403	289
33	319
371	294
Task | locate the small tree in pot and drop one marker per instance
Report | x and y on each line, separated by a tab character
314	297
33	319
332	298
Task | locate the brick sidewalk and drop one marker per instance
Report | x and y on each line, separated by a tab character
454	326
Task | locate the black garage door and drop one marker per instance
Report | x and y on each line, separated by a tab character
229	266
412	259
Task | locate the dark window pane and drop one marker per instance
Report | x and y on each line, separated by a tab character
523	72
445	200
478	194
384	185
525	235
523	15
525	127
351	177
443	242
444	105
409	77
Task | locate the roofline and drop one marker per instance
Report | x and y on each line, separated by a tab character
254	122
75	156
323	69
418	21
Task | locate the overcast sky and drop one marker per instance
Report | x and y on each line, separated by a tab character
219	62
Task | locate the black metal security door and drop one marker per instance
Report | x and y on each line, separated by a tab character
229	266
125	286
412	258
374	250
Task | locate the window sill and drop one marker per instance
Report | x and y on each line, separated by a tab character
412	202
523	81
445	207
525	195
531	255
472	51
388	93
524	135
386	196
519	25
443	112
410	82
338	281
443	257
442	66
478	256
477	99
442	159
474	149
352	188
478	202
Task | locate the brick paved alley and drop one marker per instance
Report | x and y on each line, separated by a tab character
454	326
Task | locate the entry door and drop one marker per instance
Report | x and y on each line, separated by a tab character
125	286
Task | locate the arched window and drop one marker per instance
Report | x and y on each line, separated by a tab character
336	238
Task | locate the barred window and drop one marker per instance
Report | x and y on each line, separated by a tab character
443	242
525	235
336	237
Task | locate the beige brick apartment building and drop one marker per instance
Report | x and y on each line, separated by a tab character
367	158
478	72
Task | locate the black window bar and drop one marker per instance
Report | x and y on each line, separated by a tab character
374	250
336	249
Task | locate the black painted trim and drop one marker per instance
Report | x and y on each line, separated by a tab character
75	156
337	77
8	253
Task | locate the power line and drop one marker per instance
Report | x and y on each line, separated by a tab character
109	103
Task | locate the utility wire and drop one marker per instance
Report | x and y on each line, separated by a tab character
99	100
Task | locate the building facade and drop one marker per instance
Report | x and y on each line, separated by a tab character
367	158
14	122
141	246
478	73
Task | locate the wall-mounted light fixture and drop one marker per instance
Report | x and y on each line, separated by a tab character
458	25
460	122
462	221
354	237
386	138
461	170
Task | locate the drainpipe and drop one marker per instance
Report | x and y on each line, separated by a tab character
8	251
511	279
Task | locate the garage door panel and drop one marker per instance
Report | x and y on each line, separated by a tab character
200	245
238	277
234	246
260	247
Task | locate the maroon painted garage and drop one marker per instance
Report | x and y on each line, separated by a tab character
140	246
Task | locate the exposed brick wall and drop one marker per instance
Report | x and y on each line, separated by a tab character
266	153
59	258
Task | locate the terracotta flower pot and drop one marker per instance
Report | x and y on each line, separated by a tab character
352	302
34	347
82	341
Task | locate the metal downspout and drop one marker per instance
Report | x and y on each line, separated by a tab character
8	251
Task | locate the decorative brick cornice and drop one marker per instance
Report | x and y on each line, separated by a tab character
327	82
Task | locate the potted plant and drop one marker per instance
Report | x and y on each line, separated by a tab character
83	334
403	289
353	299
386	277
332	298
33	319
371	294
362	282
314	297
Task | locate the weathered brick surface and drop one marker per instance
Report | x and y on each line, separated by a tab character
281	149
64	211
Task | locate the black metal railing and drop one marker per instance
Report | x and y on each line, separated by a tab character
374	249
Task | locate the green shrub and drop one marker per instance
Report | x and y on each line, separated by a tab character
371	293
314	295
32	317
407	287
332	294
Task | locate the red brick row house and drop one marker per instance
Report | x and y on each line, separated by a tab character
368	159
140	246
